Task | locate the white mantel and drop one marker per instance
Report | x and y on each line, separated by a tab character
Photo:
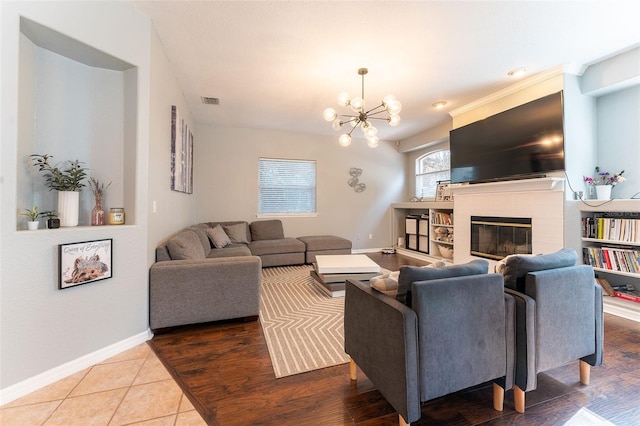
540	199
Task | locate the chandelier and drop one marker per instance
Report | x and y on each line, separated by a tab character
390	107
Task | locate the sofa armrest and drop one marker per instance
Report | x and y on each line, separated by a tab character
193	291
381	336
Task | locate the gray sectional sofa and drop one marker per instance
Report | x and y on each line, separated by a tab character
211	271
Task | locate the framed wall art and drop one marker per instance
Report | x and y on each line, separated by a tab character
181	153
84	262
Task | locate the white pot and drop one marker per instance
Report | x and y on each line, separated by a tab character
33	225
603	192
68	207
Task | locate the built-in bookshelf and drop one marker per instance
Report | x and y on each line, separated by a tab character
421	228
611	244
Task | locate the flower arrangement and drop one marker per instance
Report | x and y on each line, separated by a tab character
97	187
604	178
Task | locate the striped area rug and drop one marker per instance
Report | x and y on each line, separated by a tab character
302	325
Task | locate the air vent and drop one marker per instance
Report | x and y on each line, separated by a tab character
210	101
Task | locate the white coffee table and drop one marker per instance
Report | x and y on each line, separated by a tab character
332	271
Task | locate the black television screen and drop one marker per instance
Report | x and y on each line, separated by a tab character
525	141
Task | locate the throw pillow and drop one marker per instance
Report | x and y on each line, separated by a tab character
237	233
185	245
386	283
411	274
518	266
218	237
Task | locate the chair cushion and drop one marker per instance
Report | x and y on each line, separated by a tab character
185	245
266	230
278	246
516	267
411	274
218	237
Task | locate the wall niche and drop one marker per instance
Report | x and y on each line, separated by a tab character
75	102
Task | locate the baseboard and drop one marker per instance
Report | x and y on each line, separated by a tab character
41	380
369	250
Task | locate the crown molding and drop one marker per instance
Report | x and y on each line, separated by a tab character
514	88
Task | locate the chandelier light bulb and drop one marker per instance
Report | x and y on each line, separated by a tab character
344	140
337	124
329	114
357	104
370	131
394	107
394	120
343	99
373	142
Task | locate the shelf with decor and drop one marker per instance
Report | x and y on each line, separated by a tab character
412	228
442	233
611	245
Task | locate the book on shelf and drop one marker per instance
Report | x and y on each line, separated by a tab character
606	287
612	226
612	258
627	296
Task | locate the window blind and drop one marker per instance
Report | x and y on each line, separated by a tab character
286	186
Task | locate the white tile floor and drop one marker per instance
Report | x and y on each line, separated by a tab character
131	388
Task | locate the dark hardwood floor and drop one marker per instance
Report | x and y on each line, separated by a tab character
225	369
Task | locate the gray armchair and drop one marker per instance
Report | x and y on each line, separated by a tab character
458	333
558	317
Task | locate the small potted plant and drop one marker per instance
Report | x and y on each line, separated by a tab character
52	219
32	214
68	179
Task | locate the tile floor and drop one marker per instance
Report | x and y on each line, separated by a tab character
131	388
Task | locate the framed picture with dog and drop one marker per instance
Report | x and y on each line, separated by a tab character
84	262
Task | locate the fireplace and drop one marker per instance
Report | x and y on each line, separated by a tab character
496	237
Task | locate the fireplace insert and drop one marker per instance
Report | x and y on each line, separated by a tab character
497	237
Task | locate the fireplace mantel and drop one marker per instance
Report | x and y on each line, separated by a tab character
523	185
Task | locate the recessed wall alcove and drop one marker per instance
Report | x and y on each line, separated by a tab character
75	102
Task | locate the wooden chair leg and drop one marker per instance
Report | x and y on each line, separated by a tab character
498	397
585	373
518	397
402	422
353	369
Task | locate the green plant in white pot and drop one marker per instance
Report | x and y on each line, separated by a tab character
68	179
32	214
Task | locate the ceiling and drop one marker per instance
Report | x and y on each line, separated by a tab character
279	64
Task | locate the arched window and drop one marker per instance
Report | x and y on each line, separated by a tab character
431	168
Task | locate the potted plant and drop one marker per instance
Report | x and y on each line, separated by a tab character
68	179
604	183
32	214
52	219
98	214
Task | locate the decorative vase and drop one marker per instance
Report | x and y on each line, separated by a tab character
68	206
97	214
603	192
32	225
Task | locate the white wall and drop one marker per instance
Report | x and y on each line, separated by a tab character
43	329
619	138
174	210
226	170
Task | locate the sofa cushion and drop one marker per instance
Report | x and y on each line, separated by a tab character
411	274
266	230
516	267
237	232
232	250
185	245
201	231
218	237
279	246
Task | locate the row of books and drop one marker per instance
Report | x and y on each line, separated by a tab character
615	259
440	218
623	291
609	228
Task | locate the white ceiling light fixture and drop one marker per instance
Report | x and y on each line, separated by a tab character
362	118
439	104
517	72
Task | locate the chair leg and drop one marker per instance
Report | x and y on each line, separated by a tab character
518	397
402	422
498	397
353	369
585	373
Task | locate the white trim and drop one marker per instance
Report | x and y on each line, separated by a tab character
366	250
46	378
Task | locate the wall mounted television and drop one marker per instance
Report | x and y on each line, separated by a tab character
523	142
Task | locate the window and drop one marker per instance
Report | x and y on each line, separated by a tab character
286	186
431	168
